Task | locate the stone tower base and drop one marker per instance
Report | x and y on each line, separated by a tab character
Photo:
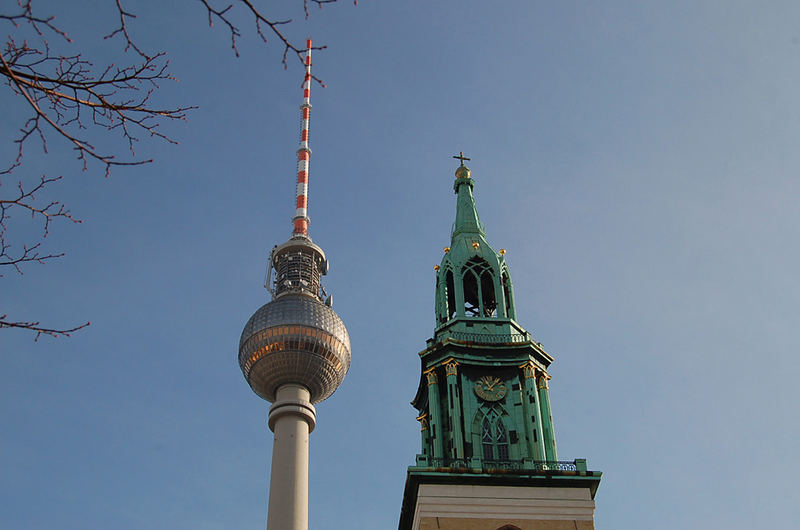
454	501
452	507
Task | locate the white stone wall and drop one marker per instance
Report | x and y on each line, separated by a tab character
441	502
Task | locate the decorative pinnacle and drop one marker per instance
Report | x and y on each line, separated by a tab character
463	171
301	219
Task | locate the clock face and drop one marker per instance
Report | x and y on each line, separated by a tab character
490	388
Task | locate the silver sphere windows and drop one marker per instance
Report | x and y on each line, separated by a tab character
294	339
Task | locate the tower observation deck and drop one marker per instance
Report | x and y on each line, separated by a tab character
295	350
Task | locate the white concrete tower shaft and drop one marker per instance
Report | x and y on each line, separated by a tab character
291	418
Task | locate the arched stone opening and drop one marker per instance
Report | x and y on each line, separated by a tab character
479	296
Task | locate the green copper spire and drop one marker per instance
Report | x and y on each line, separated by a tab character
467	220
483	400
486	289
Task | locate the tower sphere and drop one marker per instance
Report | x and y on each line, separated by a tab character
294	339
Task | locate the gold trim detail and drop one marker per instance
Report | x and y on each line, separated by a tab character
451	367
529	369
431	375
542	381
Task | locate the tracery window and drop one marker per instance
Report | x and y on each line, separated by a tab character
479	295
494	436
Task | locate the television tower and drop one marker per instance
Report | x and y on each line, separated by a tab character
295	350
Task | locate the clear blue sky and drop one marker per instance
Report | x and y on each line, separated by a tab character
639	161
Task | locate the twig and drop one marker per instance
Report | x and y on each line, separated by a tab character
38	329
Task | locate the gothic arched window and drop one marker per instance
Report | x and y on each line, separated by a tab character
479	295
494	436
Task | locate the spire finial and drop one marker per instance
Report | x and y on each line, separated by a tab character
461	157
301	219
463	171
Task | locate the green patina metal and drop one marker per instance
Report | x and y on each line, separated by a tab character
483	395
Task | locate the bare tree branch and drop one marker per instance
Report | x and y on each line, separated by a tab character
26	16
38	329
263	24
64	93
71	99
123	29
67	97
25	201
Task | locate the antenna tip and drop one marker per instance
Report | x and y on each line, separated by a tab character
308	43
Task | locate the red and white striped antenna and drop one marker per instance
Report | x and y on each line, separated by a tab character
301	219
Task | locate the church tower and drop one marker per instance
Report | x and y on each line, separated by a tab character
489	459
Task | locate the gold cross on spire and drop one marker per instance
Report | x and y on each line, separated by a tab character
461	157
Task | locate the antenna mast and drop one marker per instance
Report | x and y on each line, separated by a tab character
301	219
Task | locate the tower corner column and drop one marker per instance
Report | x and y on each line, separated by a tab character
531	404
547	418
451	369
435	410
